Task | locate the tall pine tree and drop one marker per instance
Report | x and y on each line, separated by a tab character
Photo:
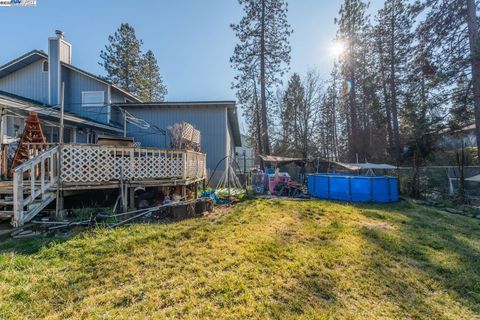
121	58
261	57
352	26
394	41
451	31
150	83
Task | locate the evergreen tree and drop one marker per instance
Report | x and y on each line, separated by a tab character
121	58
352	26
461	112
308	113
293	100
150	83
261	57
451	31
327	134
394	43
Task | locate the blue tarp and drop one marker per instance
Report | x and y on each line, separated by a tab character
212	195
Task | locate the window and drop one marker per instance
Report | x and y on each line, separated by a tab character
93	98
45	66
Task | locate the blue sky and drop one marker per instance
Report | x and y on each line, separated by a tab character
191	38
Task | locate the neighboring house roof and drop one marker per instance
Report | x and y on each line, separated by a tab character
230	105
26	105
35	55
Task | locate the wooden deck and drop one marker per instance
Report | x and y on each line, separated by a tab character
75	167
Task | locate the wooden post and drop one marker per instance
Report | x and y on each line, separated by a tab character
122	193
196	190
132	198
184	158
17	199
184	192
59	205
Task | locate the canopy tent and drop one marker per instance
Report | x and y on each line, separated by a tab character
471	179
349	166
474	178
277	159
365	166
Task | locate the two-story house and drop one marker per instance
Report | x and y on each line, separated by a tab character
94	106
33	82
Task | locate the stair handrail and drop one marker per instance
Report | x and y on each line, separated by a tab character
46	183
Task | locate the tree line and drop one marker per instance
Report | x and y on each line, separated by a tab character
406	74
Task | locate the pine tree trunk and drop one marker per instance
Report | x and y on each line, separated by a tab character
475	63
266	142
257	117
393	88
334	117
353	119
385	100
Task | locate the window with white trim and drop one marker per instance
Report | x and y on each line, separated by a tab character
93	98
45	66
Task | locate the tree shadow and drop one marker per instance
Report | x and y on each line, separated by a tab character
30	246
419	241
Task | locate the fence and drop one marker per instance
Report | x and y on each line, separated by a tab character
440	179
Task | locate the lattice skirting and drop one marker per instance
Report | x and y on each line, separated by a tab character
84	163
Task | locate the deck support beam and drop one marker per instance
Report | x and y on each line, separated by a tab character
131	197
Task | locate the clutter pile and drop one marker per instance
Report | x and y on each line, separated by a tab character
185	137
277	183
157	214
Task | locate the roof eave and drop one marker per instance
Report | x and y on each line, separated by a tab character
54	113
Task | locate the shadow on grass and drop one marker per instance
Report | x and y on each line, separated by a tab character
29	246
431	244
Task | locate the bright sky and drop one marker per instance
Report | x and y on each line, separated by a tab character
191	38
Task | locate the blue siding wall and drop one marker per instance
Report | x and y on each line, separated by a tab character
29	82
116	116
211	121
75	83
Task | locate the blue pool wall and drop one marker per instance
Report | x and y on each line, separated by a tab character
382	189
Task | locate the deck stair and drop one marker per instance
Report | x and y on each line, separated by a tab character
34	182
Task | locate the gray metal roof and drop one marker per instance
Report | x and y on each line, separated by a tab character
229	104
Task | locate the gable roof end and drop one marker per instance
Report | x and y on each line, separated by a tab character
22	61
35	55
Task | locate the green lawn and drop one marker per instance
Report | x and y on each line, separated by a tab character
262	259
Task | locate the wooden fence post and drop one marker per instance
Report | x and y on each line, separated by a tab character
18	199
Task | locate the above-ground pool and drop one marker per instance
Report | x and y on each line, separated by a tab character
353	188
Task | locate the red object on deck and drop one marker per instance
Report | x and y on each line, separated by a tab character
32	133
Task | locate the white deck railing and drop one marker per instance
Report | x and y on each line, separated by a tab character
39	175
98	163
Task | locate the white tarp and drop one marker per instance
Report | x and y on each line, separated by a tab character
366	166
474	178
